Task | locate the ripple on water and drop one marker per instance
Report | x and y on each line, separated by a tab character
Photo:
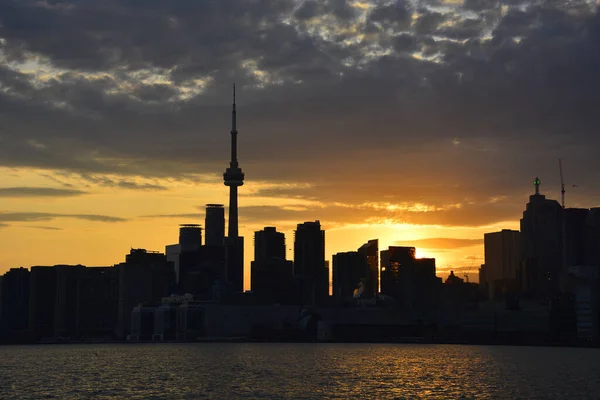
297	371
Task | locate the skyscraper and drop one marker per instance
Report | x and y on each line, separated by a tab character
409	280
269	244
271	274
309	261
234	177
541	246
370	254
502	261
356	273
214	225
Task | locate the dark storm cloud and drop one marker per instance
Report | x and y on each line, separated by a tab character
39	192
39	216
330	99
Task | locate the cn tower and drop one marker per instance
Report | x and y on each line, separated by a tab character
234	177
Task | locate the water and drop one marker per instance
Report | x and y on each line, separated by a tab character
297	371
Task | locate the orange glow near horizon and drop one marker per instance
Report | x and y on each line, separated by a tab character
70	230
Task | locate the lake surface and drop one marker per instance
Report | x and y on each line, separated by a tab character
297	371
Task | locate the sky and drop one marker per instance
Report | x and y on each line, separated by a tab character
418	122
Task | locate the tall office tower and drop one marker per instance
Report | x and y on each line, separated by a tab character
42	292
66	321
145	276
409	280
269	244
271	274
502	260
309	261
14	299
190	237
370	255
575	236
541	246
234	177
214	225
592	237
349	273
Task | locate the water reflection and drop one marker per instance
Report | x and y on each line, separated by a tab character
298	371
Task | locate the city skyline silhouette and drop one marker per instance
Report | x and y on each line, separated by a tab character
96	162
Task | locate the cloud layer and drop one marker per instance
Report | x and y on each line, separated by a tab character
455	105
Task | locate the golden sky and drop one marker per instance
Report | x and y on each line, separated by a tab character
418	123
54	227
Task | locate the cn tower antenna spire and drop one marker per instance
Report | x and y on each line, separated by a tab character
234	178
233	113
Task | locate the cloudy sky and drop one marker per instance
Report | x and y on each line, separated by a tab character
418	122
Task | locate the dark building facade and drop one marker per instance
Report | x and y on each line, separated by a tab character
575	220
66	301
200	270
143	277
309	261
502	252
98	295
271	274
592	237
369	252
542	247
214	225
349	272
410	281
42	292
190	237
14	301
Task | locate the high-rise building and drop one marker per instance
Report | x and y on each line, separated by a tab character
14	299
592	237
269	244
412	282
541	246
575	235
349	273
145	276
369	252
309	261
42	291
66	301
190	237
502	262
214	225
271	274
233	178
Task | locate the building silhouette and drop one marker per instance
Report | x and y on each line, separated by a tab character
349	272
14	300
356	273
42	300
271	275
575	220
412	282
309	262
541	246
369	252
592	237
145	276
233	178
214	225
502	262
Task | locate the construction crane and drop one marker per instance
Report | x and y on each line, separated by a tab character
562	183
